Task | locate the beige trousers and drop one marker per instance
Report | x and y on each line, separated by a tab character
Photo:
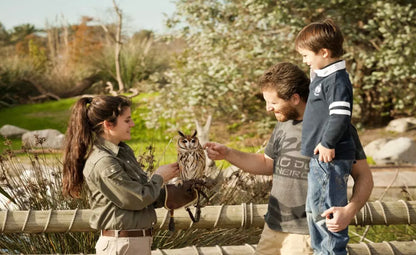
124	245
276	242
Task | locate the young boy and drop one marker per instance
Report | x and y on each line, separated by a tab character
326	135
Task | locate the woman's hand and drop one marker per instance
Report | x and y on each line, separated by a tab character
168	171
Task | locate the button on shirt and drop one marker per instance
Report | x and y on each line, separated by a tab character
120	193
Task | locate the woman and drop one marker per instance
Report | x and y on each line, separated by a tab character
121	195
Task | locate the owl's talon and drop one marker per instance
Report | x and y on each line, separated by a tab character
171	226
197	214
191	215
179	183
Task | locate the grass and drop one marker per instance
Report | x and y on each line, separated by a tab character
55	115
379	234
49	115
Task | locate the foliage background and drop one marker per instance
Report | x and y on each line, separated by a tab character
209	61
230	43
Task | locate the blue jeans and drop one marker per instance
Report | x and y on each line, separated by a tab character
327	187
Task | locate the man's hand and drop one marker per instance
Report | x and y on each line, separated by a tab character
216	151
338	218
325	155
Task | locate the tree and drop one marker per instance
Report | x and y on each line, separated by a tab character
4	35
117	40
227	49
86	41
382	57
20	32
118	45
230	43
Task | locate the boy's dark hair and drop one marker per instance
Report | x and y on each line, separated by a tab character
286	79
321	35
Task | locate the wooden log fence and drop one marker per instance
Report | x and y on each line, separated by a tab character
226	216
221	216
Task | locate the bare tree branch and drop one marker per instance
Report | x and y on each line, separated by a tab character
135	92
81	86
110	88
118	45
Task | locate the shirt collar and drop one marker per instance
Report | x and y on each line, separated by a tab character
332	68
108	145
295	122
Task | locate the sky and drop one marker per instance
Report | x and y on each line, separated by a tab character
139	14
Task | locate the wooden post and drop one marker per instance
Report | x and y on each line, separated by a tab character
45	221
386	213
384	248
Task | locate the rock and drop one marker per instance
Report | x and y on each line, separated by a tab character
401	125
46	138
373	147
397	151
11	131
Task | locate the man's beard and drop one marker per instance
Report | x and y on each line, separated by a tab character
287	113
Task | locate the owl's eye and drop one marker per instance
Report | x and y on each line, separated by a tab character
193	141
184	141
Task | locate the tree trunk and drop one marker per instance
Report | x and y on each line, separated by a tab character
203	131
52	42
81	86
118	48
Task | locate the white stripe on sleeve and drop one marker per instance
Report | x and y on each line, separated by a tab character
340	104
340	112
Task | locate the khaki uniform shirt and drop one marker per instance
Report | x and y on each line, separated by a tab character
121	195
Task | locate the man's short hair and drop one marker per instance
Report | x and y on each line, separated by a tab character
286	79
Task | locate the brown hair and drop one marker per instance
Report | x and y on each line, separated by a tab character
85	124
286	79
321	35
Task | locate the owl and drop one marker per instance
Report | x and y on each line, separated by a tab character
191	157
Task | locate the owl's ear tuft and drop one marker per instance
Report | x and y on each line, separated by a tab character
181	134
194	133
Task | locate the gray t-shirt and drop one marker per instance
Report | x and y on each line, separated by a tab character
286	208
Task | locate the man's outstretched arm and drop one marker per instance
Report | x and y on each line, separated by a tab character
254	163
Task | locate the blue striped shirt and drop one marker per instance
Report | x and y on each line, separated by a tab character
327	116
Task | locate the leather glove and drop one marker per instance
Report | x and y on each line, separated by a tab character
182	195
